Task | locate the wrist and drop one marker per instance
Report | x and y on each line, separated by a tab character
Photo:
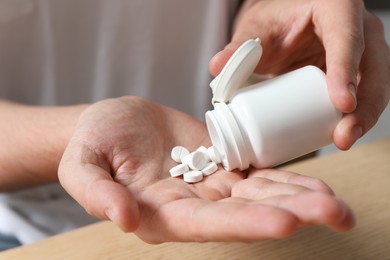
33	140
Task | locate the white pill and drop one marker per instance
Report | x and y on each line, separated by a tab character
185	159
214	154
193	176
178	170
204	151
210	168
178	153
196	160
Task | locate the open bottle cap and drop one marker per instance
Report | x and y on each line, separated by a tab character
237	71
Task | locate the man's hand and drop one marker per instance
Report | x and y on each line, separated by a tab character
339	36
117	167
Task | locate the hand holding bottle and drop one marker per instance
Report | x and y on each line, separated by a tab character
339	36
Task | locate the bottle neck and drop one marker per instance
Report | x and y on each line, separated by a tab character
226	136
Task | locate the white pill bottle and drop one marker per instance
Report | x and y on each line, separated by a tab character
272	121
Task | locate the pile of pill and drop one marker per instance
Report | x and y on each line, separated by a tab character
195	165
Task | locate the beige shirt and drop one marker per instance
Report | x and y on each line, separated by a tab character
75	51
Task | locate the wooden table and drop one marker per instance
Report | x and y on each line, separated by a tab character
360	176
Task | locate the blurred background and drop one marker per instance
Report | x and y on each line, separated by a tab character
382	129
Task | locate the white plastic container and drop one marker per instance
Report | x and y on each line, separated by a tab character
270	122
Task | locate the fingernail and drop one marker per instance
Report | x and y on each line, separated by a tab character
352	90
357	132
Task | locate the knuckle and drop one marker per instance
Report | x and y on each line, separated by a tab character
376	23
328	208
282	227
320	185
90	210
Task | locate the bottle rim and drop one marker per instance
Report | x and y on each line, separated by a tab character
226	136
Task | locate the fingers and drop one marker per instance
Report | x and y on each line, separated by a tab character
340	26
93	187
309	199
261	188
374	87
240	219
269	204
225	220
316	209
291	178
249	24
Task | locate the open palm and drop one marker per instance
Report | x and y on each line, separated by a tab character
117	167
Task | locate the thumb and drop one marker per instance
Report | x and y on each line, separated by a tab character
219	60
94	189
253	21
